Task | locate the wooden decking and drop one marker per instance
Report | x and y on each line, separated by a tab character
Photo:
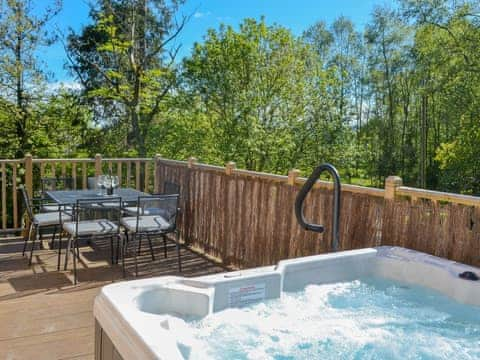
43	316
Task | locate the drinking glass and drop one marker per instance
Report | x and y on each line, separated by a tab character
115	181
101	183
107	182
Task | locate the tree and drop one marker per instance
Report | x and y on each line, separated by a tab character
126	63
21	34
446	54
251	84
333	110
73	134
459	160
388	40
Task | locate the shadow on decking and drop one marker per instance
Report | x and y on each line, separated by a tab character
93	267
41	311
41	281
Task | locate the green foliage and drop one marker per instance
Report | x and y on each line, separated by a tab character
459	160
266	97
125	65
245	82
61	126
401	97
22	33
9	142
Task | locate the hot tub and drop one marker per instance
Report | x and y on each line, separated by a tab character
385	302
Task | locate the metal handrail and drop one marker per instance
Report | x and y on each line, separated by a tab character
336	202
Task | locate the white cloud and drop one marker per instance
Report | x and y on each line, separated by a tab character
63	85
200	14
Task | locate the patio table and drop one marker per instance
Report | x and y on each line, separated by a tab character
70	197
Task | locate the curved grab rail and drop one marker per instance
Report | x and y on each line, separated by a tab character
336	202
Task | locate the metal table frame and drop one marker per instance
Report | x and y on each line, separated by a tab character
70	197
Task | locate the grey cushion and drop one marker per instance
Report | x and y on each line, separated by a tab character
91	227
146	223
132	210
114	205
50	218
51	208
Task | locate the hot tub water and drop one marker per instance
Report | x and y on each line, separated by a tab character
371	318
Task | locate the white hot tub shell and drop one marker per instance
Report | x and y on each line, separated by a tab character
134	314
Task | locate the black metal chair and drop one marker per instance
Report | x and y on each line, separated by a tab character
169	188
156	215
92	182
93	219
40	220
46	205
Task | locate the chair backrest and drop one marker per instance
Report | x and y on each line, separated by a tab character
162	205
27	202
171	188
91	183
54	183
98	209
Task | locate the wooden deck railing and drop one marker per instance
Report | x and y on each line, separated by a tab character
133	172
247	218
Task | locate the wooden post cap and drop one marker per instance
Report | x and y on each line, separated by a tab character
391	185
230	167
293	174
98	164
192	161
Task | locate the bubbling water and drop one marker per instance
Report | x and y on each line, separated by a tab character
367	319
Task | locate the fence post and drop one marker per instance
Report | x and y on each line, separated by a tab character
230	167
156	173
98	165
192	161
292	176
391	185
28	161
29	174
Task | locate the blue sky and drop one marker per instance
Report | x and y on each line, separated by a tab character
296	15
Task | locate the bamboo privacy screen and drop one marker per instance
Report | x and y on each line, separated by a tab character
246	219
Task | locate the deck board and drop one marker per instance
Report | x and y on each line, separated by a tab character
43	316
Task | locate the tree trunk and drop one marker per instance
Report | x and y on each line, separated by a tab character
21	115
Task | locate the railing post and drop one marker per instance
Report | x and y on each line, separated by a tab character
192	161
292	176
230	167
29	174
28	163
98	165
391	185
156	182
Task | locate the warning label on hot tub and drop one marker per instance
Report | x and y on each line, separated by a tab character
245	295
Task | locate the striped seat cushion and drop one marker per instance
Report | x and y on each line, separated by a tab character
91	227
50	218
146	223
53	207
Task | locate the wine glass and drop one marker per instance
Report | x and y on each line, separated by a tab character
107	182
115	182
101	183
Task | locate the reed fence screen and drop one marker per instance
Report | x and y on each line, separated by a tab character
247	219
